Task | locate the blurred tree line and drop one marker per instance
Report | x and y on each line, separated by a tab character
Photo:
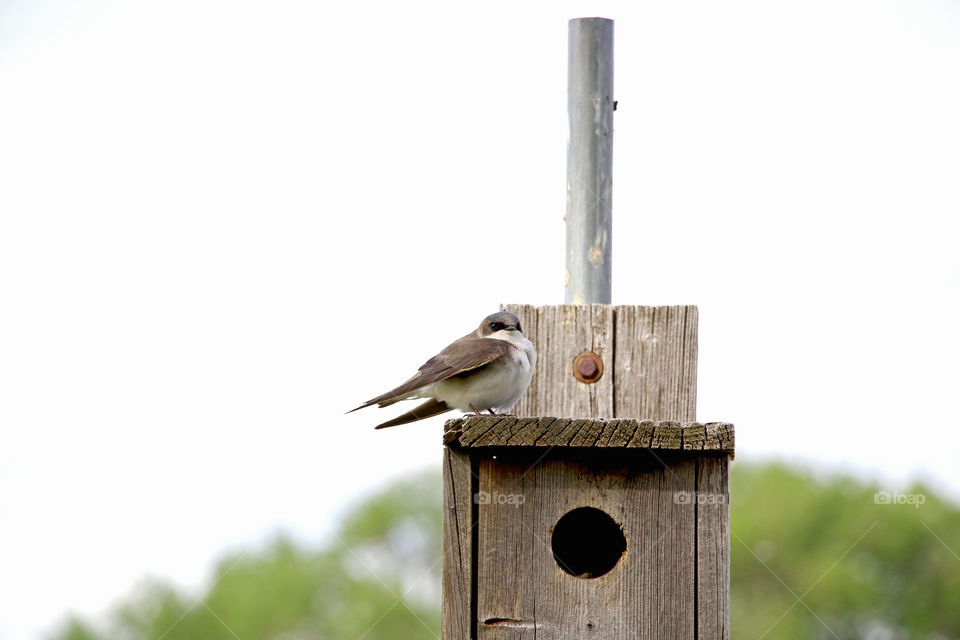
811	557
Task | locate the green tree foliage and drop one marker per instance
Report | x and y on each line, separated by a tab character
812	557
863	564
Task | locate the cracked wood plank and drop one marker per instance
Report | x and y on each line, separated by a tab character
713	549
458	549
656	363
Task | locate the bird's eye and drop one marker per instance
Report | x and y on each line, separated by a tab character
496	326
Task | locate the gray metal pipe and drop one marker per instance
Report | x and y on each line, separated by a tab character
589	161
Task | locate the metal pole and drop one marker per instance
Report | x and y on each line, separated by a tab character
589	161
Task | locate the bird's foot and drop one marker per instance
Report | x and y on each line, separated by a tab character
490	412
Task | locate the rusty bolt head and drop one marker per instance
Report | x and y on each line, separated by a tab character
587	367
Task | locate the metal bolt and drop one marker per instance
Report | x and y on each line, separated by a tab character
587	367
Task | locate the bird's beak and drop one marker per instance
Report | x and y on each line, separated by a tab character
510	328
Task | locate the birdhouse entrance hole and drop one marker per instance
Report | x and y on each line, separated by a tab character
587	543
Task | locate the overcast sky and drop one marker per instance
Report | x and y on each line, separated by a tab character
222	224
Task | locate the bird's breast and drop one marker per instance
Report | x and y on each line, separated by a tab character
496	386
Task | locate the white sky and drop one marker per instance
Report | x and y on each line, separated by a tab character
222	224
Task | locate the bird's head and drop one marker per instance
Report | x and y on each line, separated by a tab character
497	322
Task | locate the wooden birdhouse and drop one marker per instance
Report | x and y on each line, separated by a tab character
607	521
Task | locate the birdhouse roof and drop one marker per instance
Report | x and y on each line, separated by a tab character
511	431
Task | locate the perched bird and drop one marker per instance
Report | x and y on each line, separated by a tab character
486	370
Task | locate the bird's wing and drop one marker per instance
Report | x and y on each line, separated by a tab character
461	357
428	409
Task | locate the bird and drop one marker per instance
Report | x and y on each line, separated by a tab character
485	370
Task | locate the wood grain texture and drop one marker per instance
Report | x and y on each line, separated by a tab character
561	333
713	549
457	576
523	592
656	363
649	356
510	431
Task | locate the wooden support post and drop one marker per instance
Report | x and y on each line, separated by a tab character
537	507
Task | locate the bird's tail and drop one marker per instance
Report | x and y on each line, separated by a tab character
385	400
428	409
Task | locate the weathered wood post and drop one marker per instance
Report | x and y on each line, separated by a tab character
609	521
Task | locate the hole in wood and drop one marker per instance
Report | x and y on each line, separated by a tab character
587	543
